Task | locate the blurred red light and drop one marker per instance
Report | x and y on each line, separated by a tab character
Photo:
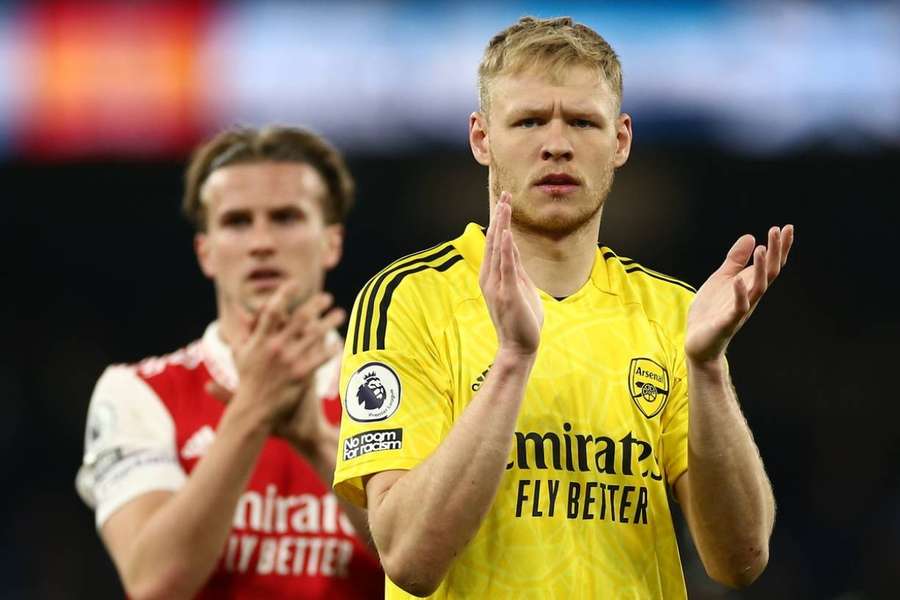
114	78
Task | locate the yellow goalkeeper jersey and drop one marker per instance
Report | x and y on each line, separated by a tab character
582	509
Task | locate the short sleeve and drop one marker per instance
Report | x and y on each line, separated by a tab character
675	415
395	390
129	446
675	423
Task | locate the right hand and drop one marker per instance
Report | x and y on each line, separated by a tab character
512	299
278	359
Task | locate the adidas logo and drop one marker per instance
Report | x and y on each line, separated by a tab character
480	379
197	444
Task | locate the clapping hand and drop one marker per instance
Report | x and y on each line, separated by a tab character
512	299
727	299
277	359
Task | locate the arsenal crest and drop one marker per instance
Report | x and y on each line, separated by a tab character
648	384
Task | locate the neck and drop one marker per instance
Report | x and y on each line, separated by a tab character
561	266
230	325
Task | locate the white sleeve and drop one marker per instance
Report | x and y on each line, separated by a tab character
129	444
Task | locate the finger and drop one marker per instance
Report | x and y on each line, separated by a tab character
315	358
505	215
333	319
787	240
520	268
773	254
741	298
506	206
333	348
487	260
292	304
490	267
496	219
760	280
738	255
497	241
309	311
272	316
524	278
507	261
315	333
218	391
517	262
294	301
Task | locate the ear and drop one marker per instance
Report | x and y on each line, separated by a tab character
333	242
202	250
478	138
623	139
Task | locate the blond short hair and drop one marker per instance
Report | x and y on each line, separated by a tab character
275	144
556	44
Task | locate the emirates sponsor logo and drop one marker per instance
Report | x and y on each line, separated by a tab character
302	534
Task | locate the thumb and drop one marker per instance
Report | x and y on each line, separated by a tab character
218	391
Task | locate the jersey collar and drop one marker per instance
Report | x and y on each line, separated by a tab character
218	358
471	245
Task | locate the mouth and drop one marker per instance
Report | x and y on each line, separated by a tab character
557	184
265	277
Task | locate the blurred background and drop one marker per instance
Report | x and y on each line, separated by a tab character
746	114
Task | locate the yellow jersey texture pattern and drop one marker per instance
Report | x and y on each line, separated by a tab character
582	509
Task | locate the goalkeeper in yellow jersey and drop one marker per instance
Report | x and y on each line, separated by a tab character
518	400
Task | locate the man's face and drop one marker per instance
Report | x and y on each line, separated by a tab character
554	145
265	226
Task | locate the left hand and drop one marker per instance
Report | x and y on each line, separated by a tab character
306	428
305	425
309	431
727	299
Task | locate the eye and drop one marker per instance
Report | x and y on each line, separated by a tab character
583	124
235	220
529	123
286	216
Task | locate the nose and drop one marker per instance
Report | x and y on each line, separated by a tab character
262	242
557	146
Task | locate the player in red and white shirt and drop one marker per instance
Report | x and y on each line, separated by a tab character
209	469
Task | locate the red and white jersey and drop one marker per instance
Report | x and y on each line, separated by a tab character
148	426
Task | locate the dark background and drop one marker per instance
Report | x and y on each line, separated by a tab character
100	269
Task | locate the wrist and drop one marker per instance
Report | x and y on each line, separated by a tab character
248	418
321	456
325	458
710	368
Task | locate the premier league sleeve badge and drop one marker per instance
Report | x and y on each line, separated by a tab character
373	393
